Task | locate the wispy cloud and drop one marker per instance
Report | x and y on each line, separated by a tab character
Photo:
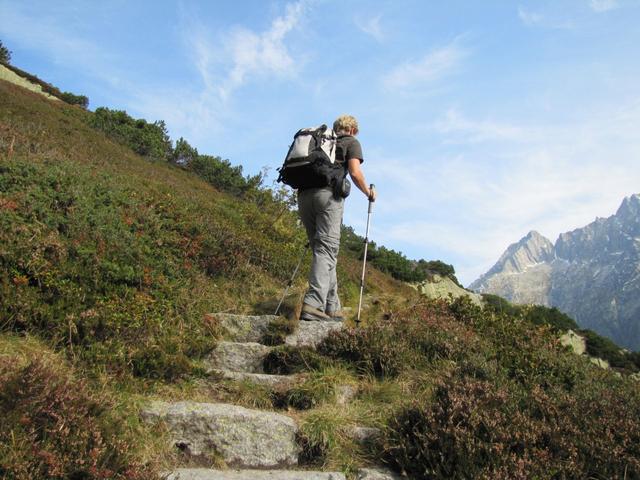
551	178
434	66
530	18
228	61
600	6
454	124
537	19
225	61
371	26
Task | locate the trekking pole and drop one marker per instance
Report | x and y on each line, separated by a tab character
295	272
364	261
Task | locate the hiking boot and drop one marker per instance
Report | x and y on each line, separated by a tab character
336	316
313	314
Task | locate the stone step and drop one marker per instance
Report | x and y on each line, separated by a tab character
251	328
267	380
207	474
244	438
365	435
376	474
244	328
238	357
310	334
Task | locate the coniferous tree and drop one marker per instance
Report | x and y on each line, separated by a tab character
5	54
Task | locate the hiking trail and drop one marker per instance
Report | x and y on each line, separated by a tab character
253	444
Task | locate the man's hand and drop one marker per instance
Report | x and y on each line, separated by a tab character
371	195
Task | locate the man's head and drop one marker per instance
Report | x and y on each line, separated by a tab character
346	125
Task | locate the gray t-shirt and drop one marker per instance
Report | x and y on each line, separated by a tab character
348	147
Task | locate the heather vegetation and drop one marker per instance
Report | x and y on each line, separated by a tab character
116	246
462	391
54	425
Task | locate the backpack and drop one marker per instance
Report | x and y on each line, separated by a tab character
311	160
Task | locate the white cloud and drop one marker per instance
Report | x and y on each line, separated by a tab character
237	55
536	19
600	6
550	178
371	26
470	131
225	61
434	66
529	18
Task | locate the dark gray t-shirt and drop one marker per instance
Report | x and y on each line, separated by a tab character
348	147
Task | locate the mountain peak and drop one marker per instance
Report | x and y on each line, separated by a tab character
630	206
530	250
533	236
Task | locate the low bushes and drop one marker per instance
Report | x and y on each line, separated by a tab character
412	340
146	139
476	429
52	426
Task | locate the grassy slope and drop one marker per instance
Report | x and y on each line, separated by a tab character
111	263
102	243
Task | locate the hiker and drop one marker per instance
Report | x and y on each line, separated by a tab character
321	213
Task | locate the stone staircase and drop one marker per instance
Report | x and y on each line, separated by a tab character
259	444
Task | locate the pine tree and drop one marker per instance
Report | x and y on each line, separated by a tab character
5	54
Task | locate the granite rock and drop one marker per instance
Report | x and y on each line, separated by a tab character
244	438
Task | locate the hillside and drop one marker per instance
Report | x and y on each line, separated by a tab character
590	273
119	359
92	230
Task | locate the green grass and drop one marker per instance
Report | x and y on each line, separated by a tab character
118	259
113	262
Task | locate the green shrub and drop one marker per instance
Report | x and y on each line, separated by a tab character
163	361
541	315
147	139
222	175
392	262
5	54
52	426
601	347
183	153
73	99
499	305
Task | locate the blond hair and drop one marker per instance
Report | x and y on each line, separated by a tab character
344	124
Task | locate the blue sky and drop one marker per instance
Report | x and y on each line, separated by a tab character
479	121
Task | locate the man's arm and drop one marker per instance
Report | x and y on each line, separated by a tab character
356	174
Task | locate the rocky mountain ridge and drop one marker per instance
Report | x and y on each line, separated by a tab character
591	273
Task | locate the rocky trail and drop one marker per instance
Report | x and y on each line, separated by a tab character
253	444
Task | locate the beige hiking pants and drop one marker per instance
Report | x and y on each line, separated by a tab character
321	215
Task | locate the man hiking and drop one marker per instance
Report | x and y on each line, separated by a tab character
321	213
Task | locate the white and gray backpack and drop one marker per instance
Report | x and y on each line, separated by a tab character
311	160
